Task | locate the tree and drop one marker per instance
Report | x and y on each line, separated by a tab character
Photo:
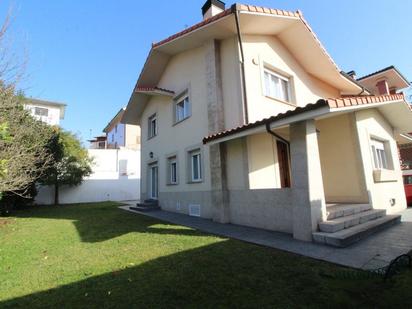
24	155
71	162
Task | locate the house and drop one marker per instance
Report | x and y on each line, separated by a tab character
122	135
46	111
246	119
99	142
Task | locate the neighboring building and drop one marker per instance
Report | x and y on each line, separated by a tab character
46	111
246	119
99	142
122	135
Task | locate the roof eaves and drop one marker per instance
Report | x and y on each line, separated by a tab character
391	67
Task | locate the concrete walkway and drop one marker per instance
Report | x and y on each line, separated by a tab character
373	252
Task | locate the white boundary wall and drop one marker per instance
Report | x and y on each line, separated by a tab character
115	177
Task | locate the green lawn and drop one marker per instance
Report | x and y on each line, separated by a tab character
96	255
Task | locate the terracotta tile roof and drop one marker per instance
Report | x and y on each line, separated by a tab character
142	89
353	101
194	27
331	103
248	126
231	10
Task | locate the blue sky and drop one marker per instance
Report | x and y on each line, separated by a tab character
89	54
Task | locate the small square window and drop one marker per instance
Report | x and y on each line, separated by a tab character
277	86
152	126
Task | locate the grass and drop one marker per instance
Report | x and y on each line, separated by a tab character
97	256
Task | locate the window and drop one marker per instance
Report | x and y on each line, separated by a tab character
379	154
407	180
172	171
277	86
182	108
115	129
40	111
196	166
152	126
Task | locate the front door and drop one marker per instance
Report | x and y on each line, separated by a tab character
154	188
283	157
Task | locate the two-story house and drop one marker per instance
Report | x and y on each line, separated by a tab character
121	135
246	119
46	111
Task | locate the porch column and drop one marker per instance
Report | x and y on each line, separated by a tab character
308	196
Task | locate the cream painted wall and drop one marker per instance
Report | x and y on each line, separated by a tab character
263	162
340	159
231	83
268	50
370	123
185	71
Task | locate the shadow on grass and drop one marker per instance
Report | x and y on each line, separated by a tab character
102	221
225	274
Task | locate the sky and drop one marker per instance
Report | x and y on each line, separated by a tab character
88	54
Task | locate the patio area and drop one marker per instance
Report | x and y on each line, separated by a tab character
376	251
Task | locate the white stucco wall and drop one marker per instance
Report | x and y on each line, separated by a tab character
53	117
116	177
371	124
117	135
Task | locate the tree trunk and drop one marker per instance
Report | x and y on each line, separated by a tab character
56	193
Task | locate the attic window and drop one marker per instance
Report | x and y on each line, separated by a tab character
276	86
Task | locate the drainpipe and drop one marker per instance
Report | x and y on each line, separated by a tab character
242	63
276	135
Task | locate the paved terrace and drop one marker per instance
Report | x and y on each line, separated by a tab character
372	252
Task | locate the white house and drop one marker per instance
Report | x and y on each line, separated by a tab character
46	111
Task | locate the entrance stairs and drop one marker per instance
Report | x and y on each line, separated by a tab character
348	223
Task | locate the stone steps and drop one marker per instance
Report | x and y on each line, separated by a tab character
345	222
341	210
346	237
147	205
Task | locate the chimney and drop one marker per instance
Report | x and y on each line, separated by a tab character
212	8
352	74
383	88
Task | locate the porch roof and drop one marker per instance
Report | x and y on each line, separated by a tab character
394	107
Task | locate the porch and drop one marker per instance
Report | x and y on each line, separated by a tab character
329	161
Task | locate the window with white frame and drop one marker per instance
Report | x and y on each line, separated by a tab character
40	111
379	154
196	166
276	86
172	170
152	126
182	108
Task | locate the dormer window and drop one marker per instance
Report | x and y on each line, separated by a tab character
276	86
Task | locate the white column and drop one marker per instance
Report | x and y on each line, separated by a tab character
308	196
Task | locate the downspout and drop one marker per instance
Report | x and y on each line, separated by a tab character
276	135
242	64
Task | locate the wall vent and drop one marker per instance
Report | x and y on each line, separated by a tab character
194	210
